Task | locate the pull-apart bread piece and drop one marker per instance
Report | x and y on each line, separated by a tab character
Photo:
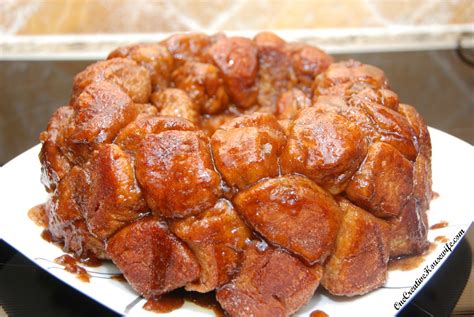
270	283
294	213
217	237
151	258
246	149
359	262
255	168
176	172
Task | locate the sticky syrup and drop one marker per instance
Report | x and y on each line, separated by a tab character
175	299
70	265
441	239
411	262
439	225
38	215
318	313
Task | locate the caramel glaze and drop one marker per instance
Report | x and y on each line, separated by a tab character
70	265
318	313
435	195
441	239
205	300
439	225
38	215
409	263
119	278
165	303
46	235
175	299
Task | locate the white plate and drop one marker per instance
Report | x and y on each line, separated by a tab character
453	174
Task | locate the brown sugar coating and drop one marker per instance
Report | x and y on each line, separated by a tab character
100	112
270	283
281	209
54	164
378	123
203	85
383	182
65	220
237	59
359	261
275	73
308	62
63	208
130	137
325	147
290	102
189	47
409	230
132	78
347	77
252	167
112	197
152	260
154	57
217	237
246	149
174	102
176	173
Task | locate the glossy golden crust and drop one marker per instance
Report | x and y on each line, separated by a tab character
409	230
383	183
319	158
325	147
290	102
308	62
237	59
246	149
176	173
189	47
349	76
217	238
176	103
359	262
154	57
202	82
275	72
294	213
100	112
130	137
151	258
132	78
260	288
111	198
66	223
54	164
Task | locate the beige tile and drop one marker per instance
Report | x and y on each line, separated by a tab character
301	14
207	13
419	12
102	16
125	16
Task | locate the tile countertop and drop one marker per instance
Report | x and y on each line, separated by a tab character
108	16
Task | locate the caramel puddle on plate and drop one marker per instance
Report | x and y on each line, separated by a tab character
175	299
411	262
439	225
441	239
318	313
119	278
38	215
70	265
